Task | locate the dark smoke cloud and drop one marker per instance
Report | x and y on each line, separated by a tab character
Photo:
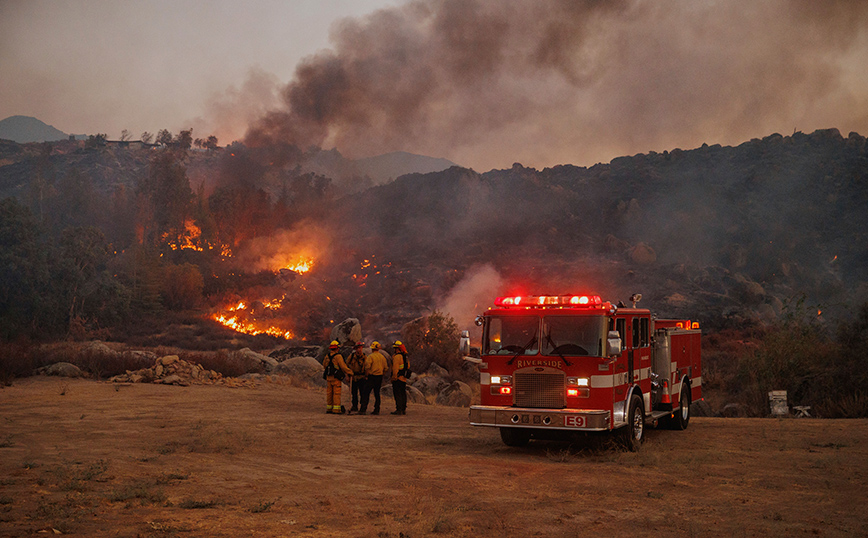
490	82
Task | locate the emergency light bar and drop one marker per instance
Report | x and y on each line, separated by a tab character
550	300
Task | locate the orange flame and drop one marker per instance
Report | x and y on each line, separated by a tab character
234	322
302	266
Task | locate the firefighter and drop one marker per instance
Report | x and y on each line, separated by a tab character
356	362
400	372
335	370
375	367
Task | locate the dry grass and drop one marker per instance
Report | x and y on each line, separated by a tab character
269	459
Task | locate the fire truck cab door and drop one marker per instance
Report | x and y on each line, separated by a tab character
630	355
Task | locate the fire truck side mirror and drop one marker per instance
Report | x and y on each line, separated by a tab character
614	341
479	321
464	343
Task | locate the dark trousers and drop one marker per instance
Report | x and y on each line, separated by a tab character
399	389
373	383
358	389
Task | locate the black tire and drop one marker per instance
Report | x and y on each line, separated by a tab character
514	436
682	415
633	433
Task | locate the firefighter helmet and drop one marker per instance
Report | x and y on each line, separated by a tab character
359	344
334	344
375	345
397	343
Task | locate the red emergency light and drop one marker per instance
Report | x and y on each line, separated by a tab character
550	300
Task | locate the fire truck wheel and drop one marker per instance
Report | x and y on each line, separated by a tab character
633	433
682	416
514	436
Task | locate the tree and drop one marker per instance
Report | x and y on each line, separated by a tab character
432	339
95	141
26	305
210	143
165	199
182	286
147	137
164	137
198	142
92	295
125	135
77	202
184	140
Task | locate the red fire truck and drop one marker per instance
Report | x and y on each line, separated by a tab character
552	364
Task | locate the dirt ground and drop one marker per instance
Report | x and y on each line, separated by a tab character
91	459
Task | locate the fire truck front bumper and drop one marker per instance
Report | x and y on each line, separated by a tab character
550	419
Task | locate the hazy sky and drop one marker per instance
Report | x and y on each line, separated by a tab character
89	66
484	83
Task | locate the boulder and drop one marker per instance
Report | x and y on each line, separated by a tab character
305	369
61	369
170	370
430	385
173	379
267	362
99	348
294	351
414	395
457	394
144	355
437	370
347	332
643	254
701	408
168	359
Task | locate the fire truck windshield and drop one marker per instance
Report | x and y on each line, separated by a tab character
509	335
574	335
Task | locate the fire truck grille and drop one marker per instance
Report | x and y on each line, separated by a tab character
539	390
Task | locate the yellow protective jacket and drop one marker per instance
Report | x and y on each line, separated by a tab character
397	366
376	364
356	363
339	363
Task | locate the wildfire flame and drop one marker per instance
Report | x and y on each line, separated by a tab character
301	267
232	319
191	239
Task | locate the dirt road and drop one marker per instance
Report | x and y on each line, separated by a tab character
92	459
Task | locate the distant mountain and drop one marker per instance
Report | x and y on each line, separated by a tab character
23	129
389	166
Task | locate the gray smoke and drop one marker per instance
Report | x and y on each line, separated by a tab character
472	296
491	82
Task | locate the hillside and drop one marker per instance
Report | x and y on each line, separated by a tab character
712	232
384	168
728	235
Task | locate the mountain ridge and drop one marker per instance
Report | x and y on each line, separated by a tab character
27	129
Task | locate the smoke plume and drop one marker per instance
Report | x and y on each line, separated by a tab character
472	295
490	82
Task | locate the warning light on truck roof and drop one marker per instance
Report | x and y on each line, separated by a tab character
550	300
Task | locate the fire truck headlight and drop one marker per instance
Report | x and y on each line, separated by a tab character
495	380
578	381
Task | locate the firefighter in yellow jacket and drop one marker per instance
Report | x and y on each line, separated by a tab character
375	366
400	372
335	370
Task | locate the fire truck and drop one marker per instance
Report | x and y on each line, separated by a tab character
554	364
